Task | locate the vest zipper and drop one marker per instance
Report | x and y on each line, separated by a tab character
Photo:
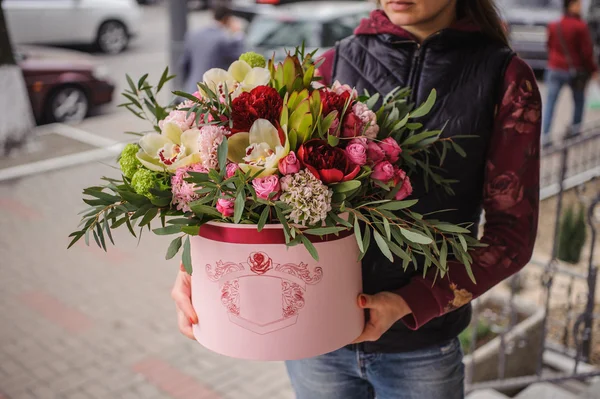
412	80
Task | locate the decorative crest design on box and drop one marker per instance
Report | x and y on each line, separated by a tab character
293	280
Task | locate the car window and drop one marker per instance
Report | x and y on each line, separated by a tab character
531	3
340	28
272	33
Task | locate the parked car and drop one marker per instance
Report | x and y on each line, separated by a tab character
527	22
63	85
107	24
317	24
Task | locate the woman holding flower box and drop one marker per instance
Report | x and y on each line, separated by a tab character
409	347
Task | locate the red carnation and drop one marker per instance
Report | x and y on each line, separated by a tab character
333	102
262	102
327	163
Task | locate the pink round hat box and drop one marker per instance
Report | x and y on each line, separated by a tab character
257	299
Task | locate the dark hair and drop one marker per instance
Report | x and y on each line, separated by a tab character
221	12
486	15
567	4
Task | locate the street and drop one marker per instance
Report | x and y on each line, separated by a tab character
84	324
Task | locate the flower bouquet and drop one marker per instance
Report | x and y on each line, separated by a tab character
275	186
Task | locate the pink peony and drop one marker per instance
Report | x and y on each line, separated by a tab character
391	149
289	164
368	119
231	169
375	153
400	177
208	144
184	192
383	171
357	153
267	185
225	206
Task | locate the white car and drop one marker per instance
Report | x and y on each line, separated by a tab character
108	24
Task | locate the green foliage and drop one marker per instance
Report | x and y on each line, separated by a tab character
572	236
141	99
484	331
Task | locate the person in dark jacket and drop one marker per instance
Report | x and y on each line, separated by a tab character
409	347
215	46
570	62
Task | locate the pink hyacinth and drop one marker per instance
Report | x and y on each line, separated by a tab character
208	144
184	192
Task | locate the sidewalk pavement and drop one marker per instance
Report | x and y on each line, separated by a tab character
84	324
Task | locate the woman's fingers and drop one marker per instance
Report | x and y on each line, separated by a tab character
182	295
185	326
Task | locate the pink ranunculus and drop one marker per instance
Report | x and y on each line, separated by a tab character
360	140
225	206
289	164
374	153
400	177
383	171
391	149
231	169
368	120
357	153
267	185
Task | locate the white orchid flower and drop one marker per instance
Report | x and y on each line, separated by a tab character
259	149
169	150
238	78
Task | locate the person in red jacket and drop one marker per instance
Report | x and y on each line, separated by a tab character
570	61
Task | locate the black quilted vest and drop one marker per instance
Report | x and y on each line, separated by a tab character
467	71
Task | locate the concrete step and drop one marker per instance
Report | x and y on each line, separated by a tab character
486	394
544	390
593	392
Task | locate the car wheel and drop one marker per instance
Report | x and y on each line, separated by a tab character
112	37
67	105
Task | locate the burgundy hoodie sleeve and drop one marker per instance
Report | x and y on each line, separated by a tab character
326	68
510	202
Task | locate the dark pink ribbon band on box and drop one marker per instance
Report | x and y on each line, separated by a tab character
235	235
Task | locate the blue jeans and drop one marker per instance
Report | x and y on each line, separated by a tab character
555	80
432	373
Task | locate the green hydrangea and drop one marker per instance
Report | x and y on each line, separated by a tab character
143	180
128	161
254	59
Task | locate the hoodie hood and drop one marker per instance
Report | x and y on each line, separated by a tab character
378	23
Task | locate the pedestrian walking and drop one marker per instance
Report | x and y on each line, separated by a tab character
409	347
214	46
570	62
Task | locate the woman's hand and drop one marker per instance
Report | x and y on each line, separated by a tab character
182	295
385	309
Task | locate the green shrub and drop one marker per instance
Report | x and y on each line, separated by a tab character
484	330
572	235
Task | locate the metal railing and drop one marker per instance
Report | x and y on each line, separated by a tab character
570	164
